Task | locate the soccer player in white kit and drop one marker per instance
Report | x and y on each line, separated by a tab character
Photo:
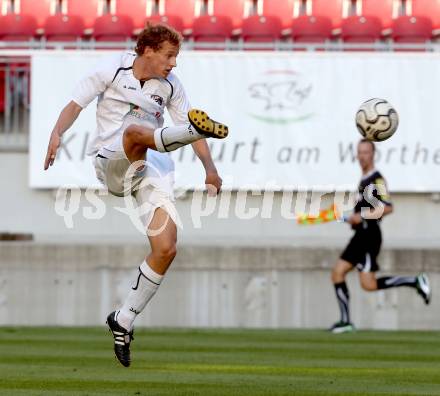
130	150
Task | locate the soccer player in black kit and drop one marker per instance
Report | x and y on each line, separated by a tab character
361	252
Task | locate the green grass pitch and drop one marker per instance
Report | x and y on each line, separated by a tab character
79	361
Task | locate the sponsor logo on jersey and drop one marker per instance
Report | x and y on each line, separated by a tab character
129	87
137	112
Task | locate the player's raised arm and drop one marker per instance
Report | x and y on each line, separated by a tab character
65	120
87	89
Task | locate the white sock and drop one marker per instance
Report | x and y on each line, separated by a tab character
142	291
173	137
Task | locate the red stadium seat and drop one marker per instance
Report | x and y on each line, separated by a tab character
2	91
113	28
261	29
429	9
385	10
361	29
411	29
283	9
63	28
14	27
186	11
329	8
135	9
39	9
234	9
212	29
311	29
88	10
171	20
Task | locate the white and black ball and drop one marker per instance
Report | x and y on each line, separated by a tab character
377	120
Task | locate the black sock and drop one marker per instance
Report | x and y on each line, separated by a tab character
343	298
395	281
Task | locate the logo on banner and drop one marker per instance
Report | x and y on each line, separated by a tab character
281	97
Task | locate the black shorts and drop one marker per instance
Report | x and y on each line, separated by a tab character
363	249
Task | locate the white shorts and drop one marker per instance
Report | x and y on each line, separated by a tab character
152	186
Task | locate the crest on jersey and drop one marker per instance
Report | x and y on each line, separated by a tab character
158	99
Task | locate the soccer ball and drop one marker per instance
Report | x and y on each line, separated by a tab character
377	120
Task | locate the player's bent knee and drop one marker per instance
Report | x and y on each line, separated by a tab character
337	275
130	132
136	140
135	134
368	286
166	252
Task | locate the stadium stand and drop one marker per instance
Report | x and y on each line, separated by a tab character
261	29
284	10
115	20
113	28
136	10
361	29
311	29
61	27
411	29
262	21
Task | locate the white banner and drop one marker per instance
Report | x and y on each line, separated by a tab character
291	118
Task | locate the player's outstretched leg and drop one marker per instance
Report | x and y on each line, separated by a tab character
420	283
200	127
138	138
122	339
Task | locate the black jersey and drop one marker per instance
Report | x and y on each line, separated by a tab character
364	246
371	191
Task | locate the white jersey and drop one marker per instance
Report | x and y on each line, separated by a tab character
118	92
